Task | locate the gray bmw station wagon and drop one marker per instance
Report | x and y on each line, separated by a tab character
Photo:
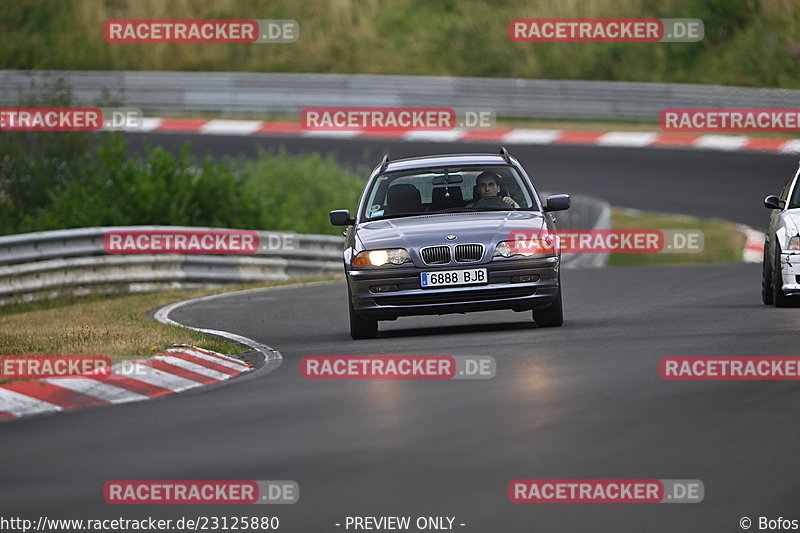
433	235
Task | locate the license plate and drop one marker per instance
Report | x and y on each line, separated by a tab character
453	277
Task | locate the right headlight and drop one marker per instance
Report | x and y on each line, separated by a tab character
794	243
392	256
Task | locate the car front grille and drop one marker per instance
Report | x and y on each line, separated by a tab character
469	252
436	255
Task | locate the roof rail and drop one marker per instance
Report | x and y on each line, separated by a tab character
384	162
505	154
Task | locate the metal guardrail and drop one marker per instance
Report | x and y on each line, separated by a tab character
237	93
33	265
51	261
585	213
81	242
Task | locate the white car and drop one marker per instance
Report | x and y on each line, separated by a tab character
780	279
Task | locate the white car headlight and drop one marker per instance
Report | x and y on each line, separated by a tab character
794	243
547	244
503	250
393	256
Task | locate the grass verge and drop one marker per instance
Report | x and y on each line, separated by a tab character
114	325
723	242
745	42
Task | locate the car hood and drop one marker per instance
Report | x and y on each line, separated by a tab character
486	227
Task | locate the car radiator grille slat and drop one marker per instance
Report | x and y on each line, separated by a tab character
469	252
436	255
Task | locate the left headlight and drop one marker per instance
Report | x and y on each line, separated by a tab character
504	249
794	243
392	256
547	244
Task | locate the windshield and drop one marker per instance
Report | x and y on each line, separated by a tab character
452	189
795	200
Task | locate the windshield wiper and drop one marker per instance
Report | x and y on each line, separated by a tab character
399	215
480	209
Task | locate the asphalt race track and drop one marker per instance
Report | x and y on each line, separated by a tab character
583	401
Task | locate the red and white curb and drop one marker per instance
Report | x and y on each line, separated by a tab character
623	139
753	251
178	369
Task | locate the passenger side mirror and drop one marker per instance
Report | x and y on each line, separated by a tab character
773	202
341	217
557	202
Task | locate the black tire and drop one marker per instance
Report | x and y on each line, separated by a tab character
766	277
551	316
780	299
361	328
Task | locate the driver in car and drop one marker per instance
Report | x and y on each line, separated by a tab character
488	186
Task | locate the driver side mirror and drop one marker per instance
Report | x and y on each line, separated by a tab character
557	202
341	217
773	202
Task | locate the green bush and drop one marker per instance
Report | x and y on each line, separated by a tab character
33	164
99	184
296	193
57	180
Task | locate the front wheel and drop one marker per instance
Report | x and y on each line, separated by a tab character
551	316
766	277
361	328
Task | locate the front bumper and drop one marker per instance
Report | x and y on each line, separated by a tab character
790	273
411	299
